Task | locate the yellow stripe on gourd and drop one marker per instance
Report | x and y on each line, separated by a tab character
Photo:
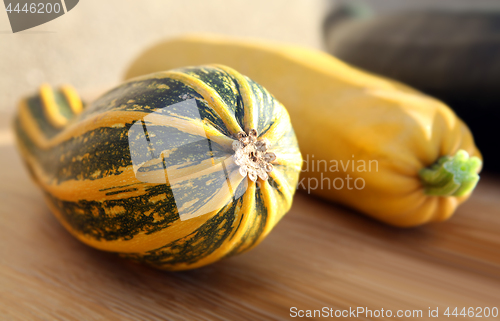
96	189
107	119
250	117
248	206
50	109
280	126
220	197
289	159
283	185
212	98
87	189
141	242
270	202
74	101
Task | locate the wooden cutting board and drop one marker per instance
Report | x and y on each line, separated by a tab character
320	255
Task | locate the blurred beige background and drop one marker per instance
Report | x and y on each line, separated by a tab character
90	46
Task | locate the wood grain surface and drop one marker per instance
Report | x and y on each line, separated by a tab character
319	255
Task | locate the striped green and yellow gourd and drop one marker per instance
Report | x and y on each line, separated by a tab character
159	169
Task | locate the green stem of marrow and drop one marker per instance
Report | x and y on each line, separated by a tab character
451	175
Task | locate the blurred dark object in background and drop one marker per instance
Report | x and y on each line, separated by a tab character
452	55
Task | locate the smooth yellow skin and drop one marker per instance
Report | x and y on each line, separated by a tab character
341	113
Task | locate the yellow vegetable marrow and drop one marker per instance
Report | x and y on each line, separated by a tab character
176	169
368	142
